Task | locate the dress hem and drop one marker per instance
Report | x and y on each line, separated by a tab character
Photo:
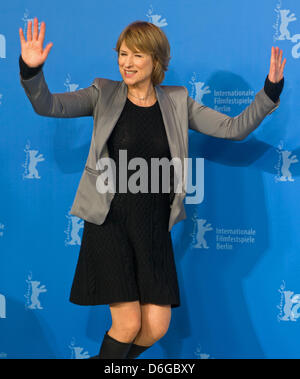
90	302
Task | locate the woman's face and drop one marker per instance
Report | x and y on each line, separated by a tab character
139	65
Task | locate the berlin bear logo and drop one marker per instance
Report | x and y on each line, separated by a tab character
2	306
199	231
34	289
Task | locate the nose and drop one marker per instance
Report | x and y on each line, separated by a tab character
128	62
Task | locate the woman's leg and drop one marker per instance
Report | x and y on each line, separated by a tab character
126	322
155	323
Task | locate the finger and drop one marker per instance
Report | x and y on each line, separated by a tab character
272	54
282	67
42	32
279	59
274	51
47	50
272	60
275	56
22	38
280	55
29	35
35	29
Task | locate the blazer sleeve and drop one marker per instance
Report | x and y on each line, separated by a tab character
61	105
213	123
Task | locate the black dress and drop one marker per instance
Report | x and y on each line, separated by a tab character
130	256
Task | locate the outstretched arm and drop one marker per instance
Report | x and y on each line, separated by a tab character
211	122
33	56
61	105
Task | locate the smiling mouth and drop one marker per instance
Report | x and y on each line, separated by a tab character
129	73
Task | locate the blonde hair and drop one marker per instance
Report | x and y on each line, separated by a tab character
150	39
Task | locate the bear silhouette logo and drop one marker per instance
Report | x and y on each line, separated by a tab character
77	351
2	46
289	306
34	289
284	163
33	161
74	226
156	18
200	228
285	19
2	306
281	29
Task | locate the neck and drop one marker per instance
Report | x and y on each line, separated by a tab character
141	91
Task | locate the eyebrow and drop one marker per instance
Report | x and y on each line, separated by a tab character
136	52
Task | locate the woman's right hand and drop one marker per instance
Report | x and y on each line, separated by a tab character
32	50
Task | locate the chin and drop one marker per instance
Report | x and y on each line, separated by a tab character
130	81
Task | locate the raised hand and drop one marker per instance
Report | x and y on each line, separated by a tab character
32	50
276	67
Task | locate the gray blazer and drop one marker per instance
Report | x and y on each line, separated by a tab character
104	99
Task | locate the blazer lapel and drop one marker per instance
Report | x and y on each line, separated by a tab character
171	123
113	107
113	110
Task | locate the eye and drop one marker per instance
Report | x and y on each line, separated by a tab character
136	55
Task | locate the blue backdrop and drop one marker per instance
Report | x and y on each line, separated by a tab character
237	253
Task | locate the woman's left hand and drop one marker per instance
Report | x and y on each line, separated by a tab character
276	67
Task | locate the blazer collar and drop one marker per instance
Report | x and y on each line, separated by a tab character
114	110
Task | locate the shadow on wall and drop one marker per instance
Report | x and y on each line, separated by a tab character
234	198
24	337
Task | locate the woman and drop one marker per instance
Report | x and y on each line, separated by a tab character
126	256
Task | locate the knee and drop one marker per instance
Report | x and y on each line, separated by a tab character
155	331
155	321
127	328
160	332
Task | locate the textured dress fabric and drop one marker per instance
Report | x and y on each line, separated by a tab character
130	256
